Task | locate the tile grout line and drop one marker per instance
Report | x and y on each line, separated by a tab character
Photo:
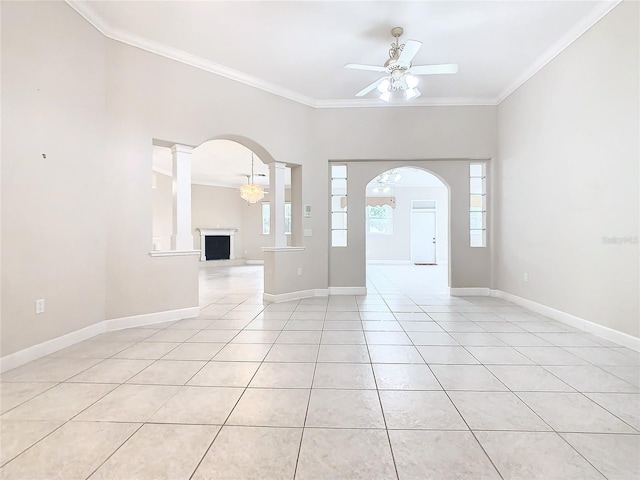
224	423
306	413
384	418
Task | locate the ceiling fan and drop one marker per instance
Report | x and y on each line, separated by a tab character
400	73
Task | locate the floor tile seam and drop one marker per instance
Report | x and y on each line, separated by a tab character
206	451
637	389
384	418
608	410
72	418
461	416
306	413
55	384
34	443
118	448
559	434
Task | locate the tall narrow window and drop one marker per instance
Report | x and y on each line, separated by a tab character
338	205
266	218
477	205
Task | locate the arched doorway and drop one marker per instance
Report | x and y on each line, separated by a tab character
407	231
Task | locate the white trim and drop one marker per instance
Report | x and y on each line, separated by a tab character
607	333
34	352
347	290
389	262
90	15
218	232
150	318
557	48
470	292
282	249
174	253
422	102
254	262
287	297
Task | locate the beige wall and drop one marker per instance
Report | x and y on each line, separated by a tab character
162	211
53	229
379	139
151	97
217	207
468	267
568	178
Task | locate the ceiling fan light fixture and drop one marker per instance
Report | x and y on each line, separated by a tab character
384	85
411	93
412	82
385	96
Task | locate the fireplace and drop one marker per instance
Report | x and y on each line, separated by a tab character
217	243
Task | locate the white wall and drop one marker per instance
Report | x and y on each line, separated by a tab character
568	178
217	207
53	210
398	245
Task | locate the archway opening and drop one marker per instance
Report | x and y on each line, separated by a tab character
407	231
218	169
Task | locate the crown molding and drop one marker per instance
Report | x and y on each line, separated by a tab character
422	102
84	9
557	48
89	14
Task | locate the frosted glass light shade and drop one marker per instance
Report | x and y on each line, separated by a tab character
252	193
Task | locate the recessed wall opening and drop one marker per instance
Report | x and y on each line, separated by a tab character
407	229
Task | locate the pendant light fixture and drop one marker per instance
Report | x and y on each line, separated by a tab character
251	192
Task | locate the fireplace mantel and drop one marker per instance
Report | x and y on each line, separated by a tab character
219	232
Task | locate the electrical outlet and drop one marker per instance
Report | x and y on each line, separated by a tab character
299	271
526	277
40	305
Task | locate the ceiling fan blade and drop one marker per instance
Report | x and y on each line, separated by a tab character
434	69
409	51
369	88
371	68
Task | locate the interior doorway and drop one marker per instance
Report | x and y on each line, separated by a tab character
423	234
407	228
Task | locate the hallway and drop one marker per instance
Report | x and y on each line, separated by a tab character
403	383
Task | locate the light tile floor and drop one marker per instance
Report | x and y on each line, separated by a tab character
403	383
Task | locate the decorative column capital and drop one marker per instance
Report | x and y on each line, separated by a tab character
177	148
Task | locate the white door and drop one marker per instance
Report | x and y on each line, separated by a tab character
423	236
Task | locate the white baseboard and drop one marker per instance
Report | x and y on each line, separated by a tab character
607	333
254	262
150	318
29	354
347	290
470	292
289	296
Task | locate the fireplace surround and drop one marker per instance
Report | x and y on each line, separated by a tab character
216	232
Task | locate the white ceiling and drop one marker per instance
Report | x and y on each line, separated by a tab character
409	177
297	49
221	163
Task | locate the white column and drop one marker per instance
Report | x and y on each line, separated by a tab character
276	201
182	239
